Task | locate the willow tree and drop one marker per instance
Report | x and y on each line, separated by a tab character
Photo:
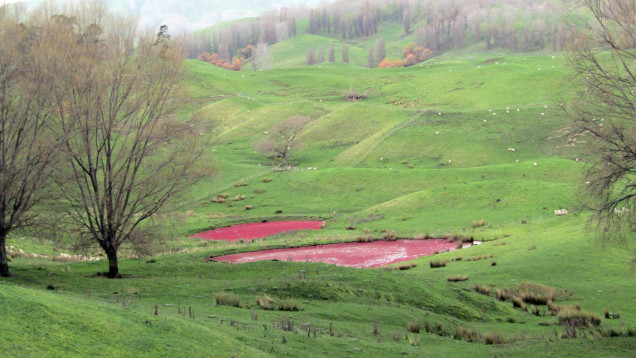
126	155
29	143
605	111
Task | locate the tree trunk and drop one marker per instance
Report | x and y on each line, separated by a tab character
4	260
113	267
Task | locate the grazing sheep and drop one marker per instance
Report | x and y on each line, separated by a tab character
624	210
561	212
511	149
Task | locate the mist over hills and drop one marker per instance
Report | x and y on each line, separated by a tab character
188	14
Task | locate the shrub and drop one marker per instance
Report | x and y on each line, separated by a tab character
227	299
259	191
518	302
535	310
238	198
288	305
570	316
494	263
481	257
535	293
240	184
554	309
353	95
481	289
406	267
493	338
421	237
502	294
267	180
390	235
467	334
457	278
609	332
367	238
265	302
438	263
413	327
247	207
479	223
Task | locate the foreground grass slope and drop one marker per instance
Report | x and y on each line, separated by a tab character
78	308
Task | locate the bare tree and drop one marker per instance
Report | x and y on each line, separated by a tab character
605	112
279	140
29	143
262	56
126	156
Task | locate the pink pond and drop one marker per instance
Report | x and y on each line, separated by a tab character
353	254
257	230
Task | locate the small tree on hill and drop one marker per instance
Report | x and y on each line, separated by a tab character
282	137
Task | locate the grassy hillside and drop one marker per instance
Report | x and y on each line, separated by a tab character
428	150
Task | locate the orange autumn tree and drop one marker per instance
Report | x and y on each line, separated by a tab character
216	60
412	55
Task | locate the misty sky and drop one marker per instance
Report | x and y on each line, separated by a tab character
188	14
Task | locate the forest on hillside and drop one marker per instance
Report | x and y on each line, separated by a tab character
435	25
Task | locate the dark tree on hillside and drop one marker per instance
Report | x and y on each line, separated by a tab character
332	53
605	112
320	54
345	53
380	49
311	58
406	21
29	140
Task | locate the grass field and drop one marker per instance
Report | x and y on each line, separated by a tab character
428	151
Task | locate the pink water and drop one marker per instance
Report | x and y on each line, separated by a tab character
353	254
257	230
